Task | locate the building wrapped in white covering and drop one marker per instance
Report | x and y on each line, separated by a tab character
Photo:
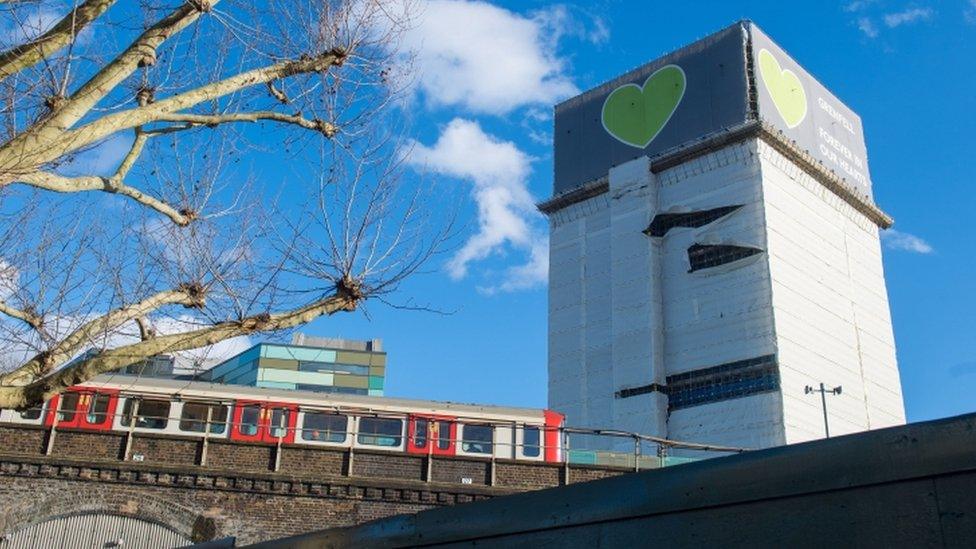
700	282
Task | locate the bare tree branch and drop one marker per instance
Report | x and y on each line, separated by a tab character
37	147
189	295
62	184
344	299
60	35
325	128
28	317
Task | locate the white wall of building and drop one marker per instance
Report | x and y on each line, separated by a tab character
722	314
833	322
625	311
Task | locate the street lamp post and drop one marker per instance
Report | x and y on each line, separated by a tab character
823	400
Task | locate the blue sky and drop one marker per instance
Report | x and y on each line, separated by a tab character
489	74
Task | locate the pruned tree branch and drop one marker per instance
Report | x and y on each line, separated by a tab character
26	316
189	295
345	298
63	184
325	128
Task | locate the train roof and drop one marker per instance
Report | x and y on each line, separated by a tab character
176	387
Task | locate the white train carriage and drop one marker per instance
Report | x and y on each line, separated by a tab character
275	416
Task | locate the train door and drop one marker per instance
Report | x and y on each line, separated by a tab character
431	435
83	408
264	421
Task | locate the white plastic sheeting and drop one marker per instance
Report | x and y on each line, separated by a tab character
624	311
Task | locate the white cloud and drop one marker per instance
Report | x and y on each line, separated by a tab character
970	13
507	217
897	240
857	5
867	26
487	59
907	16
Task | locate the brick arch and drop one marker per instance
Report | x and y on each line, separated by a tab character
88	499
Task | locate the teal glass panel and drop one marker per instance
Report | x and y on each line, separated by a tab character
303	354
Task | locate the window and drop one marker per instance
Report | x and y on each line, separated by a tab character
153	414
324	427
249	419
279	422
97	409
68	406
379	431
443	435
662	223
194	417
420	433
476	439
723	382
530	441
331	367
33	413
703	256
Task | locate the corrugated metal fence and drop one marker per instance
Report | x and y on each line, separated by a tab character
94	530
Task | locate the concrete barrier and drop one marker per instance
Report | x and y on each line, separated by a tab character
913	485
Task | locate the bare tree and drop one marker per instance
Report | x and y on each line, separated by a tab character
181	242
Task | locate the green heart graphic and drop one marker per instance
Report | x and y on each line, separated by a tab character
785	89
635	115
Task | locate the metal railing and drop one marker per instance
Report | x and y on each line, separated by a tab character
580	446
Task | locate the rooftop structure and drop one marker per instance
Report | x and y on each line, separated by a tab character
309	364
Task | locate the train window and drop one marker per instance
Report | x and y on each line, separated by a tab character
98	409
324	427
379	431
530	441
33	412
194	417
476	439
279	422
68	406
420	433
249	419
153	414
443	435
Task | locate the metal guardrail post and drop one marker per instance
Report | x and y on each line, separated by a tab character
206	437
277	461
637	453
132	426
50	436
564	442
428	474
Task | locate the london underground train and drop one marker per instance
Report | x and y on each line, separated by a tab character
125	403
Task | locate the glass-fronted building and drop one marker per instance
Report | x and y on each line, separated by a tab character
308	364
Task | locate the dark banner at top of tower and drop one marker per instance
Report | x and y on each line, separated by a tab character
696	92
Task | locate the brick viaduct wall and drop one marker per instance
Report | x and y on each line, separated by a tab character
218	488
